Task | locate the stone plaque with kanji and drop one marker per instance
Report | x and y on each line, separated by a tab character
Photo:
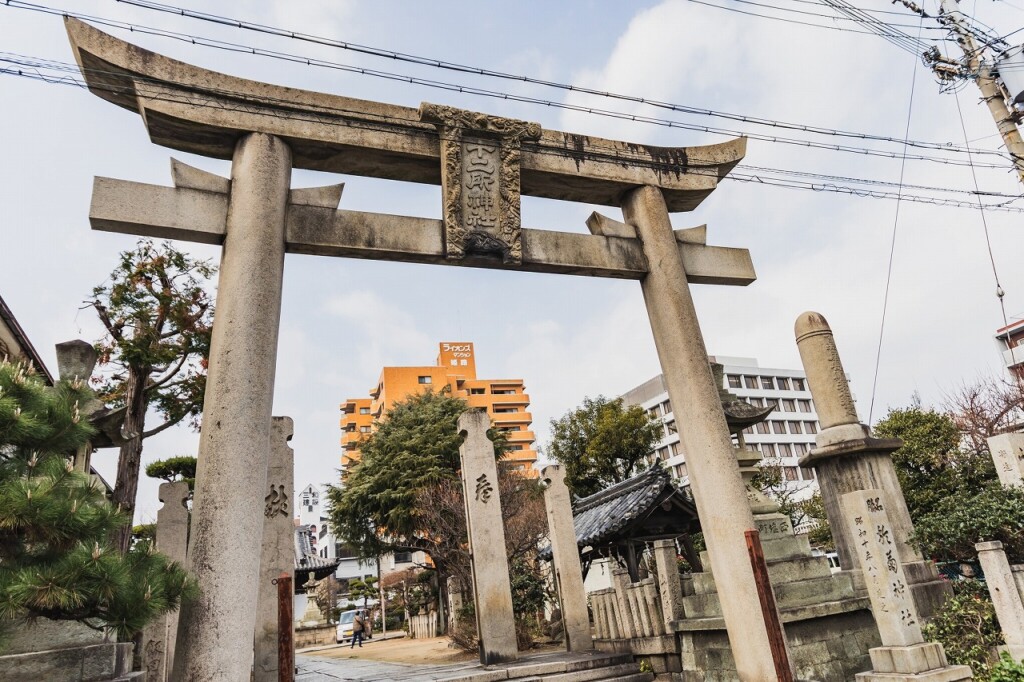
480	181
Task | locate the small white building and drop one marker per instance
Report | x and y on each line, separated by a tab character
313	514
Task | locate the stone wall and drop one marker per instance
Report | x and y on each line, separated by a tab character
318	635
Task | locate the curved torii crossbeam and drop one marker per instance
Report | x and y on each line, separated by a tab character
483	164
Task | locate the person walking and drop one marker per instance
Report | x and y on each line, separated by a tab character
358	628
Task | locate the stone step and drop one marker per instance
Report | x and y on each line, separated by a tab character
814	590
798	568
526	670
635	677
623	671
702	606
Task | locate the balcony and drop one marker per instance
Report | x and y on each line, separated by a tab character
1013	356
509	399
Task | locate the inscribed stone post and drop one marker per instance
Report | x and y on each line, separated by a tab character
669	586
904	655
492	590
278	554
847	458
1005	598
565	557
1008	455
158	638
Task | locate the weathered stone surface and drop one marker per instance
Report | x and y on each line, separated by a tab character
847	458
716	483
215	633
1003	589
160	636
670	587
278	552
566	560
95	663
345	135
491	588
1008	455
184	213
891	602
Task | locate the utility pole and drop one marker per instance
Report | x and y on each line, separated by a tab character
992	91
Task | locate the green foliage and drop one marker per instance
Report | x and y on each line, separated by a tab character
966	627
820	535
363	588
145	531
158	319
994	513
931	465
413	448
1006	670
55	559
602	442
181	468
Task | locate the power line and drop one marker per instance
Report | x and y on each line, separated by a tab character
33	71
474	70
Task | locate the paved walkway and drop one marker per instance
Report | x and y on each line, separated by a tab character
313	669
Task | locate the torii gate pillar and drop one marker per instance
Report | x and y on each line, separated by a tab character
234	444
715	479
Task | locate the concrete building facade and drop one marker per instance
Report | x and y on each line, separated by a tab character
505	400
1010	342
786	436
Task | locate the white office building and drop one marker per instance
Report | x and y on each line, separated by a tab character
312	519
785	437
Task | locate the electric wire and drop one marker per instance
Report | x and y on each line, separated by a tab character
892	250
475	70
34	71
1000	293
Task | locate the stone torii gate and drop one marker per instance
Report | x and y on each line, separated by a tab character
483	164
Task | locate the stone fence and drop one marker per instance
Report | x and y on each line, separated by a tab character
423	626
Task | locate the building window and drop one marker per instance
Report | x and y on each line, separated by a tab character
768	449
784	450
779	427
734	381
666	407
514	447
790	473
653	412
788	405
671	427
810	427
504	391
799	385
505	410
783	383
762	427
680	470
674	449
403	557
805	405
425	380
364	429
766	382
477	391
750	382
364	410
799	449
807	473
794	427
749	430
774	404
663	454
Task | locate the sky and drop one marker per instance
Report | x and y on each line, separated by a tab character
567	337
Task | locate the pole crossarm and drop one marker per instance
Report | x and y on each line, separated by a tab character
199	215
205	112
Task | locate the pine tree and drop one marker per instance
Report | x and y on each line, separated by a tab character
56	560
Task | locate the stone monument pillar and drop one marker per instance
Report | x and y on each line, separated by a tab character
717	487
848	458
158	638
1006	598
216	630
565	557
278	555
1008	455
904	655
492	591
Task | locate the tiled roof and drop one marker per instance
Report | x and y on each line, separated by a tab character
306	558
600	517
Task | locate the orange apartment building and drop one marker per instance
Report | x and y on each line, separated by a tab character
505	400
